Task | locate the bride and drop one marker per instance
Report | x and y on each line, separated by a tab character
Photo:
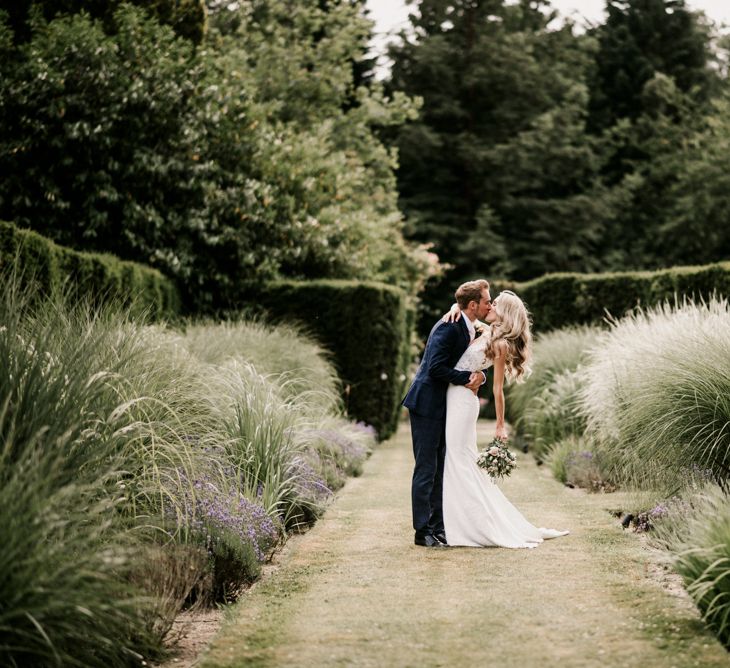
476	513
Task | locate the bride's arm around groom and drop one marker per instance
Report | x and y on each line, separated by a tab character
426	404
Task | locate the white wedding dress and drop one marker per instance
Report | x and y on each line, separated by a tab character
476	513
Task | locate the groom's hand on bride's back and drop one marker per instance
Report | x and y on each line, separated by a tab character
475	381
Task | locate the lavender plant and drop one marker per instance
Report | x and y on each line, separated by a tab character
237	532
575	462
121	445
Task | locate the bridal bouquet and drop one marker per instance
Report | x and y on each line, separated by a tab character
496	459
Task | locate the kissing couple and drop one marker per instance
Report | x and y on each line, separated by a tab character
454	501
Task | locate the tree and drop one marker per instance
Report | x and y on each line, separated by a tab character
639	39
321	150
498	172
241	161
186	17
101	138
546	187
696	227
649	152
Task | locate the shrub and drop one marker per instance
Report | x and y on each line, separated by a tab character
656	394
366	326
172	574
575	463
559	300
100	278
340	448
237	533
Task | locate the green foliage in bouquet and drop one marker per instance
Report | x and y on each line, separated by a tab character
497	459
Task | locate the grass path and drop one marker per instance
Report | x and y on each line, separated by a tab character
355	591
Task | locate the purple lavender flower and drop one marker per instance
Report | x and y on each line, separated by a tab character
660	510
310	486
217	515
366	429
347	454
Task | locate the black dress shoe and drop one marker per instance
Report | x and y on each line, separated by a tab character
428	541
441	538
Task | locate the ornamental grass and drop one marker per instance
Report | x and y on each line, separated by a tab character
542	409
65	592
697	532
144	469
552	415
656	395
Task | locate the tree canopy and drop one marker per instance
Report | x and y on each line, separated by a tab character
250	156
541	148
230	141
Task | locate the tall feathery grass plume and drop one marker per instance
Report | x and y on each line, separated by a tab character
656	394
554	353
303	369
552	415
542	408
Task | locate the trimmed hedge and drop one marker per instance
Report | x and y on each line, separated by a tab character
367	328
558	300
55	269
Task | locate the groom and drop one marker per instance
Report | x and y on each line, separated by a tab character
426	404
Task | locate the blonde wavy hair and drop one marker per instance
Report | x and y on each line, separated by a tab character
511	335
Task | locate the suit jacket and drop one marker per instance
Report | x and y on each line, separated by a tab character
446	344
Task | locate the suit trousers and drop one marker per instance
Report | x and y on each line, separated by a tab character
429	450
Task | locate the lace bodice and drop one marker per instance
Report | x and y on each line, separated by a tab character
474	357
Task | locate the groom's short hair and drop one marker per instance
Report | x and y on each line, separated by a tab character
471	291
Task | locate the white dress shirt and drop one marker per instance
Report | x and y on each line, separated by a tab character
471	328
